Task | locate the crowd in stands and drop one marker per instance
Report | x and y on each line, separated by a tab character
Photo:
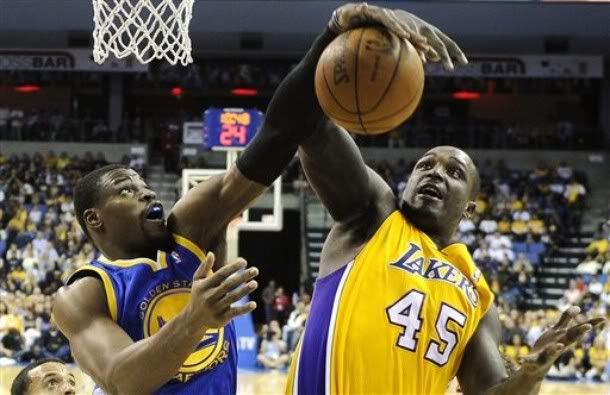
53	124
521	330
42	124
284	324
521	217
40	245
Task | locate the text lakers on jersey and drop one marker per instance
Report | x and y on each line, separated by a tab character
433	269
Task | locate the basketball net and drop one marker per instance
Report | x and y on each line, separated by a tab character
147	29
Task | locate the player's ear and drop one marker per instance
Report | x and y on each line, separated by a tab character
469	211
92	218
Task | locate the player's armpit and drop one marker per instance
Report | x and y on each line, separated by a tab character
346	185
482	365
208	207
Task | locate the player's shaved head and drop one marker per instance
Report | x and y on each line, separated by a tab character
441	191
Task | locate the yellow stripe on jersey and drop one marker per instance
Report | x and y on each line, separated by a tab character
159	264
108	288
129	262
189	245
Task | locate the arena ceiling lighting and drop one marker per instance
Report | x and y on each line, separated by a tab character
27	88
244	92
466	95
176	91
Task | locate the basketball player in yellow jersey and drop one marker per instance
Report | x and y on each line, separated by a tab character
399	307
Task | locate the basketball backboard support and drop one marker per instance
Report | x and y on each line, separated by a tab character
268	222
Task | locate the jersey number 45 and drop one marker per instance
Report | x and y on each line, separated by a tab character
406	313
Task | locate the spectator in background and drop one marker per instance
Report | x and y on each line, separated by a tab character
504	225
573	295
281	303
47	376
40	243
500	247
268	295
519	229
564	171
8	318
30	258
273	351
574	195
291	332
55	344
11	346
522	264
488	226
595	288
169	148
599	246
521	214
536	226
466	226
536	328
598	358
13	256
516	350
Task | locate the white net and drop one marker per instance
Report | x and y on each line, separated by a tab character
148	29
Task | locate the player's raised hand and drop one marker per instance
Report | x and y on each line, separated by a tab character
557	340
213	293
431	43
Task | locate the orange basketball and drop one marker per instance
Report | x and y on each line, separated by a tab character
369	81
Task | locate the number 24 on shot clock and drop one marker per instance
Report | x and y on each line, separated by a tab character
230	128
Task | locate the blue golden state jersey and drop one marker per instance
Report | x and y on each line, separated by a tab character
396	320
143	295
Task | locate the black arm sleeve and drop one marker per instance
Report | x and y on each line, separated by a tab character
293	114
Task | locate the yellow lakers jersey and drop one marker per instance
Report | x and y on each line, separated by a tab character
396	320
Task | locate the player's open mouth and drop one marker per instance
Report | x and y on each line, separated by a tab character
154	212
430	191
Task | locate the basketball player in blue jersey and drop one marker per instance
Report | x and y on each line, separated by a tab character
399	307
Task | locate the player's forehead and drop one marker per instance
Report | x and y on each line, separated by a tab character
448	152
118	175
50	369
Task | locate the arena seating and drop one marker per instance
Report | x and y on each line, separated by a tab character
40	245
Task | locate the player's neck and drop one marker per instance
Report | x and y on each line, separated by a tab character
115	253
441	234
441	241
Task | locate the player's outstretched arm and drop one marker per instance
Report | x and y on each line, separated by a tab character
120	366
347	187
482	370
204	212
